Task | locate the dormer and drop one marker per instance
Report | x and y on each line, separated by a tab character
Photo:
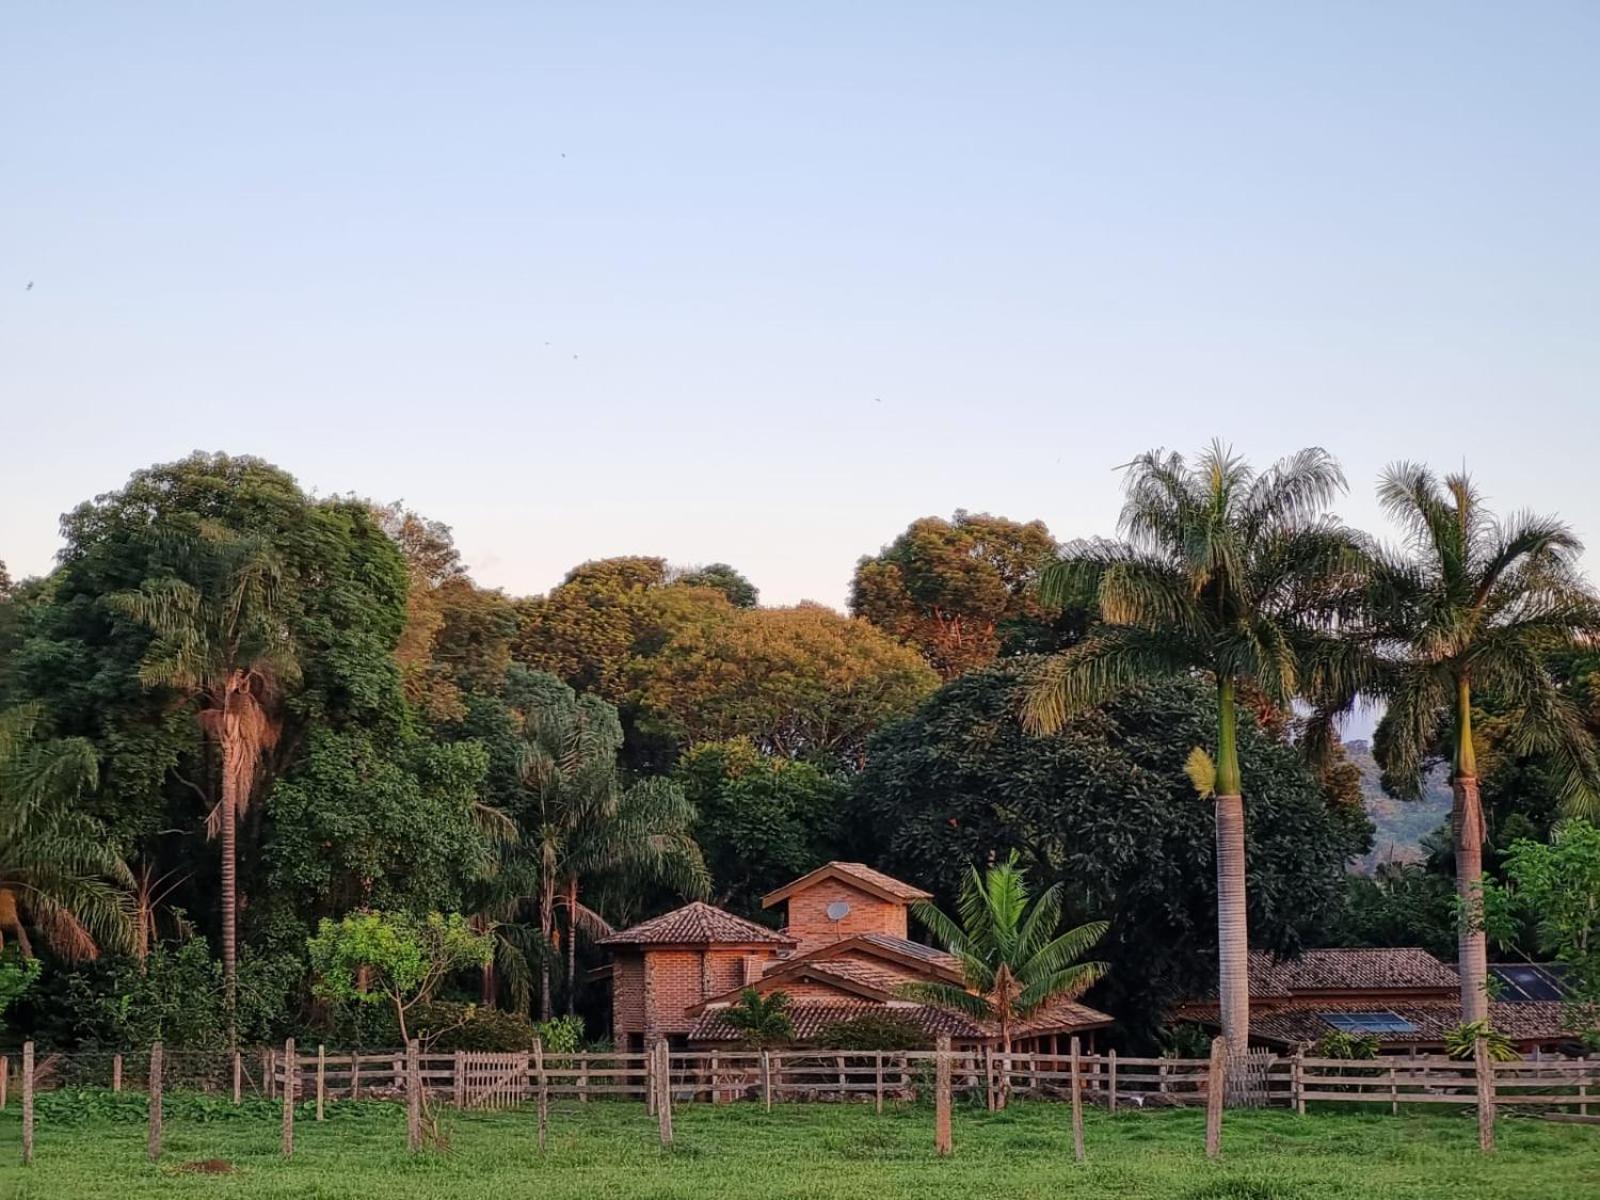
842	899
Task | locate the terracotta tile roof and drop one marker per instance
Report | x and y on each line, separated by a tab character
696	924
1330	970
931	955
1061	1016
812	1019
1301	1020
859	874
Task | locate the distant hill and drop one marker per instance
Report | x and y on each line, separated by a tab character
1400	824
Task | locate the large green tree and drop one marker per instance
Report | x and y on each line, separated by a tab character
958	589
1221	572
1474	607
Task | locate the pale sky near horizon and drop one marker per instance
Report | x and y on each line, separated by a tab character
762	283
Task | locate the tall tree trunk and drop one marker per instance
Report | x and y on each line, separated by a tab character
488	985
547	927
1233	934
1467	826
230	895
572	945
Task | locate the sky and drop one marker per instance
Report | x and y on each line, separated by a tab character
763	283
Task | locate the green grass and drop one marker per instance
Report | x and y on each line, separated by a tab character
95	1148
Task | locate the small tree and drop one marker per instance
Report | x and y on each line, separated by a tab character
1556	887
1012	959
761	1021
389	957
1462	1042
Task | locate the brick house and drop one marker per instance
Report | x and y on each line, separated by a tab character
843	951
1403	996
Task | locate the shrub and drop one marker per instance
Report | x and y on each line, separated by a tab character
560	1035
447	1025
1462	1042
1185	1040
1338	1044
874	1031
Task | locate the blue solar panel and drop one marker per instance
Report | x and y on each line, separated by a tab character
1369	1022
1528	981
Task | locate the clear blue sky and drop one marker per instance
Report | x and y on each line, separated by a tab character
762	283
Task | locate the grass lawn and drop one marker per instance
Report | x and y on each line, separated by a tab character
611	1150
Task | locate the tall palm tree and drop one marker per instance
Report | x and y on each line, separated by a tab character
58	873
223	642
1222	573
1012	959
580	821
1473	604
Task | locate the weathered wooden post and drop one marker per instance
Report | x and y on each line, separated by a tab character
650	1087
877	1093
322	1077
413	1097
583	1078
291	1080
27	1103
1216	1082
543	1082
153	1141
766	1080
116	1072
266	1072
1583	1088
5	1079
238	1078
1111	1082
664	1091
1297	1080
942	1143
1394	1093
1077	1101
458	1079
1486	1095
355	1076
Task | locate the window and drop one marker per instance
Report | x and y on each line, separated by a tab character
1369	1022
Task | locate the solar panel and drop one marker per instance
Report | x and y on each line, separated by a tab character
1369	1022
1528	981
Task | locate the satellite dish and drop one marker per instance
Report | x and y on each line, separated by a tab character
838	910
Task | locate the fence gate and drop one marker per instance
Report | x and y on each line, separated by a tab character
1249	1074
494	1080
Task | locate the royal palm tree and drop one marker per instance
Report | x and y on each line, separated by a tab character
1471	605
1012	959
1221	573
222	642
581	822
59	876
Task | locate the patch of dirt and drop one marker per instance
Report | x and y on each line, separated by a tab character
208	1166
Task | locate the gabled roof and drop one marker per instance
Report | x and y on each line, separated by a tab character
911	955
1402	967
697	924
852	979
857	875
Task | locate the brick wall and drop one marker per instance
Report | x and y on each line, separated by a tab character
674	980
627	994
808	918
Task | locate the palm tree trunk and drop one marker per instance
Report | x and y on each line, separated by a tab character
572	945
230	896
1466	822
488	985
1233	934
547	927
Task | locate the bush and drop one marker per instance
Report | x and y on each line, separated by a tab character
874	1031
1338	1044
1462	1042
447	1025
116	1003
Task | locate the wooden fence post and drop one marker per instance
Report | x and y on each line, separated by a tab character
766	1080
238	1078
583	1078
458	1079
27	1103
1297	1081
1077	1102
942	1144
266	1073
116	1072
1394	1093
1216	1084
544	1090
1111	1082
1486	1096
322	1077
1583	1089
291	1074
153	1142
664	1091
355	1076
878	1084
413	1097
5	1079
650	1079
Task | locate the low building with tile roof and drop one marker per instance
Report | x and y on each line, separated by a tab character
1403	996
843	951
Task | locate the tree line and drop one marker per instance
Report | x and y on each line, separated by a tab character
234	712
